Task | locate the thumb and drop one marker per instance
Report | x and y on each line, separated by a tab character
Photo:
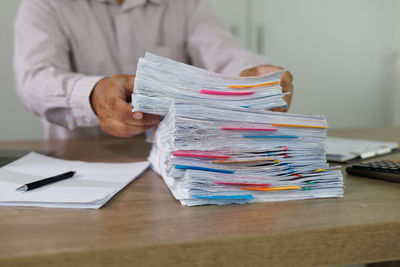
129	83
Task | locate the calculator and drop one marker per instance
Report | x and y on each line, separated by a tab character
388	170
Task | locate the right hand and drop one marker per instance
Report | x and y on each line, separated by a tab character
109	100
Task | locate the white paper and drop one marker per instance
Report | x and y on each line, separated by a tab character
91	187
344	149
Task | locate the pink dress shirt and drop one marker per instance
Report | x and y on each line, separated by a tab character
64	47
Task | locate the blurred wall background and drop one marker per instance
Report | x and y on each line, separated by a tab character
15	121
343	55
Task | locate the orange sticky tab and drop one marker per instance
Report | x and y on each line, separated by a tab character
253	85
298	126
279	188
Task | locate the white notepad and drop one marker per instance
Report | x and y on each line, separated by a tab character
91	187
346	149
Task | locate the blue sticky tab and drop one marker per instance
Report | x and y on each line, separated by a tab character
226	197
186	167
270	136
245	106
285	106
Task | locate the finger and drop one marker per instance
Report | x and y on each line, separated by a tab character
129	85
265	69
117	128
148	120
249	72
287	78
130	82
137	115
278	109
119	108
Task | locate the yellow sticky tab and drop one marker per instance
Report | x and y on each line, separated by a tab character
298	126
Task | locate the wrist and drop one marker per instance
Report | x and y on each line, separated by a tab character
94	95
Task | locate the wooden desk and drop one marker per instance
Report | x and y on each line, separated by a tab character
145	226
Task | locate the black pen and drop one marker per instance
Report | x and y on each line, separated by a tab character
46	181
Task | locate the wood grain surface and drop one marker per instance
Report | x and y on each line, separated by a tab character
145	226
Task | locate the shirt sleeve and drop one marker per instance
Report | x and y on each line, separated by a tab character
42	66
212	46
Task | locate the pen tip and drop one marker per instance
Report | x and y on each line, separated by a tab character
22	188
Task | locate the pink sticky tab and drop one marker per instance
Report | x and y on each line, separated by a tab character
212	92
199	155
241	184
233	128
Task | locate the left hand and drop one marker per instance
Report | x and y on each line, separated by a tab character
286	81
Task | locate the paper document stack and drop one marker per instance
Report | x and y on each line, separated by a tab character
159	81
217	152
219	155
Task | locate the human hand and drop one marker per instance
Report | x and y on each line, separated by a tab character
109	100
286	81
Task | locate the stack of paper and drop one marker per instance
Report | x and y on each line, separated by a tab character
159	81
218	145
93	185
219	155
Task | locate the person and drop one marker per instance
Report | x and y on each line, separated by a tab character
74	59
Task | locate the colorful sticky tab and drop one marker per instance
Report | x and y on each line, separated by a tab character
279	188
226	197
270	136
253	85
198	155
240	184
187	167
212	92
233	128
297	126
242	161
